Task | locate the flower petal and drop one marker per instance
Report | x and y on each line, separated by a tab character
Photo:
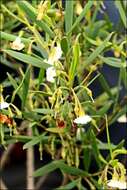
3	105
83	119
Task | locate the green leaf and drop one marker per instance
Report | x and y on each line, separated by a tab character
11	37
124	76
70	185
56	130
98	50
75	61
64	45
112	61
25	88
59	165
47	168
121	12
105	85
43	111
68	15
105	108
119	151
72	170
80	17
32	15
28	59
15	85
95	147
35	140
86	158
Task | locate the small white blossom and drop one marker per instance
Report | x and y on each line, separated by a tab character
117	184
50	74
122	119
3	105
55	55
17	44
83	119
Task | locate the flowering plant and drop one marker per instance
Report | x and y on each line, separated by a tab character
58	54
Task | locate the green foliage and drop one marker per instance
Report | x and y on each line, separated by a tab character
58	54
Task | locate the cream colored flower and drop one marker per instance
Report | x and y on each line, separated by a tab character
17	44
117	184
83	119
122	119
3	105
50	74
55	55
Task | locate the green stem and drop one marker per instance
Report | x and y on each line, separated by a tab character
108	137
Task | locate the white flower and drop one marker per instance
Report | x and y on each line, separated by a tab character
83	119
3	105
50	74
55	55
117	184
122	119
17	44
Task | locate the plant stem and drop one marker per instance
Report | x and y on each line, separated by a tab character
108	137
30	165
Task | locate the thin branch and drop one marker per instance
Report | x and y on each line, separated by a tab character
5	155
2	185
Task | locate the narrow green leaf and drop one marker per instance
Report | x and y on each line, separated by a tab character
95	147
35	140
121	12
86	158
28	59
68	15
11	37
98	50
32	15
47	168
43	110
25	88
112	61
72	170
14	84
69	186
75	61
56	130
64	45
105	85
104	109
80	17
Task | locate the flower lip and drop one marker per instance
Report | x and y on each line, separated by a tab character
50	74
117	184
83	119
3	105
17	44
122	119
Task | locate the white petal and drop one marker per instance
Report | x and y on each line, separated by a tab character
122	185
122	119
58	53
3	105
83	119
113	183
50	74
17	45
117	184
